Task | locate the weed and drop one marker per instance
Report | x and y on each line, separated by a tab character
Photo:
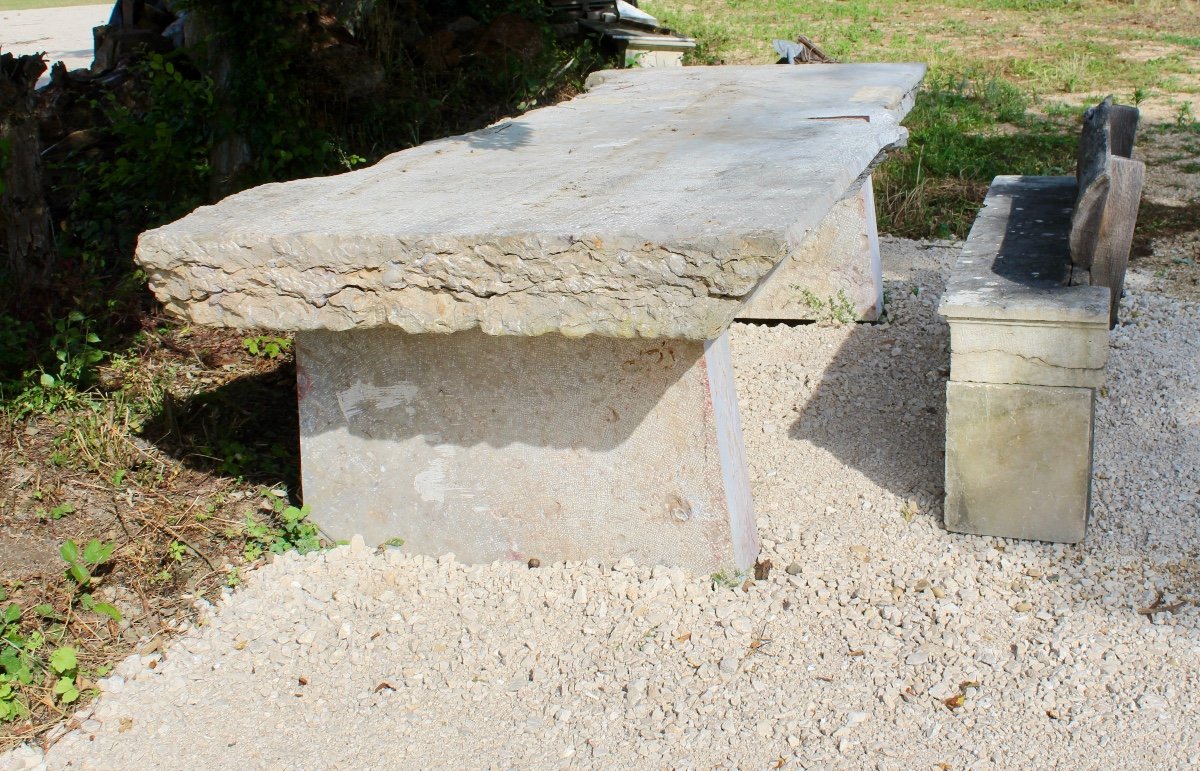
1185	118
65	664
728	580
289	530
394	543
24	667
838	309
56	513
67	367
81	570
267	347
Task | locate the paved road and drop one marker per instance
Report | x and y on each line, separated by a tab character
65	34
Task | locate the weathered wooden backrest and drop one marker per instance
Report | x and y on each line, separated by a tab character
1110	188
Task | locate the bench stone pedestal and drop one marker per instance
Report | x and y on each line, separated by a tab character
519	447
1027	352
1018	460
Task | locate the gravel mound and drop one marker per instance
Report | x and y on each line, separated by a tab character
877	639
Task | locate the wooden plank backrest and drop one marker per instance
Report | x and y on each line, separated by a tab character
1106	205
1122	129
1093	174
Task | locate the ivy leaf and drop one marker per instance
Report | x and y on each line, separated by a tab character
12	613
108	610
69	551
63	660
66	690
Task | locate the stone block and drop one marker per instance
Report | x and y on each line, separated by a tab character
1018	460
1013	315
834	273
517	447
1034	353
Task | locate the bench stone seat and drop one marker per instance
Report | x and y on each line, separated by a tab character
581	266
1013	318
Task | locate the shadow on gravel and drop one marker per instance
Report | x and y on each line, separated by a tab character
880	404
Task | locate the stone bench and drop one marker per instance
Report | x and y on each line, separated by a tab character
1029	303
513	343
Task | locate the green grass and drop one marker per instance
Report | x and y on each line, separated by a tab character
965	130
1007	79
26	5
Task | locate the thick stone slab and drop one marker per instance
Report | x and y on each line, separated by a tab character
650	206
511	447
1018	460
1013	318
835	272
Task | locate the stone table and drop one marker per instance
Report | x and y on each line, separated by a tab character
513	343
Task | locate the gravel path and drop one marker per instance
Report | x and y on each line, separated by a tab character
64	34
878	639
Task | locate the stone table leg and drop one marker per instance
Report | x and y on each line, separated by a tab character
835	273
519	447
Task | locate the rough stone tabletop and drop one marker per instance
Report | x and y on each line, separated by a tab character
649	206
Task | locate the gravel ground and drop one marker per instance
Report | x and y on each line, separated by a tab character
64	34
878	639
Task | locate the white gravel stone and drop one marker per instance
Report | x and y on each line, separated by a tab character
852	660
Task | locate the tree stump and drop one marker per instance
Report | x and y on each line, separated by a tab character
26	234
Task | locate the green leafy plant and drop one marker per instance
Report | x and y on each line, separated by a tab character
16	661
1185	118
64	663
23	665
267	347
67	367
81	569
56	513
289	529
74	346
155	170
728	579
836	309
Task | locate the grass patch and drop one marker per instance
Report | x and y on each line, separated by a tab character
965	130
1006	78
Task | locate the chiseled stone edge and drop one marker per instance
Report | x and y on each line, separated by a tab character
506	285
